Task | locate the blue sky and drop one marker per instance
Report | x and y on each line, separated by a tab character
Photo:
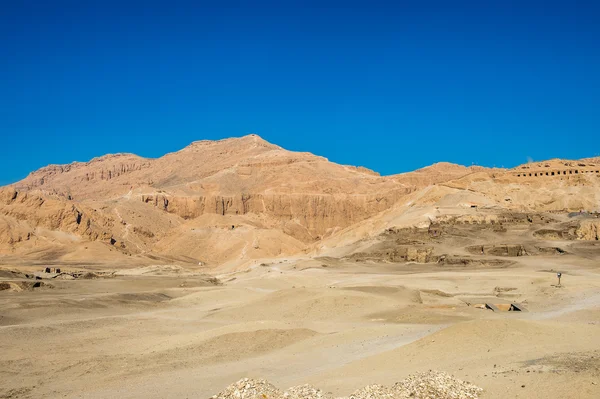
392	86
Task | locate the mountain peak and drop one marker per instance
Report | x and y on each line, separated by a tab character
245	140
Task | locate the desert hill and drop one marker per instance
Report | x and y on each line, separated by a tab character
234	200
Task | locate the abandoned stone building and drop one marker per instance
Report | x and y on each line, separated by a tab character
558	172
557	168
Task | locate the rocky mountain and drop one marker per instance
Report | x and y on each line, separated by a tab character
230	201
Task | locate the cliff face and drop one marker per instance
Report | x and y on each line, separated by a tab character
317	213
144	206
53	213
244	198
72	178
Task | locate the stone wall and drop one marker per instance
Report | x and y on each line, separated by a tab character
558	173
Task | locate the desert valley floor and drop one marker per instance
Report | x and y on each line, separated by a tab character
164	332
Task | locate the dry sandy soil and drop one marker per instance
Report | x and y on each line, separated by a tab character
162	332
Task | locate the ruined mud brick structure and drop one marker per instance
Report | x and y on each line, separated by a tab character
557	169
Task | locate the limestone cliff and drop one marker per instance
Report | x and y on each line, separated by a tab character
137	203
23	214
244	198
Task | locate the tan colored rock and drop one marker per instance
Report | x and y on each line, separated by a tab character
248	388
305	391
235	200
435	384
589	230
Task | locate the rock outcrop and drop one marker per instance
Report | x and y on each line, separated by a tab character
317	213
244	198
40	210
588	230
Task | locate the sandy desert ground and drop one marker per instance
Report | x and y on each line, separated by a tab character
164	332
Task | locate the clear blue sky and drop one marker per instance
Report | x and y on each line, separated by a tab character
393	85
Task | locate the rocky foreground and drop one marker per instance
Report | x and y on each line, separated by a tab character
427	385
